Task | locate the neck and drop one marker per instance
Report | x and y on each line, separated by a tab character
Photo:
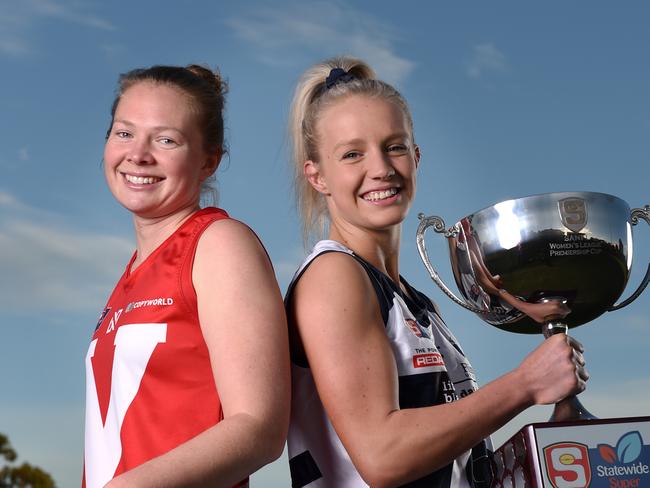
152	232
379	248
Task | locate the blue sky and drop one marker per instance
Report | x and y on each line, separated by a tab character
509	99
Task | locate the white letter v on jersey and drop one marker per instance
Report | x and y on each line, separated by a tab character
134	345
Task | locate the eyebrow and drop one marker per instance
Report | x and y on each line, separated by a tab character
355	141
350	142
158	127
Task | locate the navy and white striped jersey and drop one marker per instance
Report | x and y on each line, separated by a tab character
432	370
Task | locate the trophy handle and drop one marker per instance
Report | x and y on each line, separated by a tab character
439	226
636	214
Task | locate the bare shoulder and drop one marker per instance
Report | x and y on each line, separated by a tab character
337	271
230	254
229	237
335	289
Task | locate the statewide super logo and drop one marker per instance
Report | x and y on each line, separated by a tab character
624	465
574	465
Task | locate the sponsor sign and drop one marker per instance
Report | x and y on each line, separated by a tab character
427	360
152	302
612	455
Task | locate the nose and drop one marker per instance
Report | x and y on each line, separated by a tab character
381	166
140	153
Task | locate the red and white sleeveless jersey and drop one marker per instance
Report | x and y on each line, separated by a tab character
149	382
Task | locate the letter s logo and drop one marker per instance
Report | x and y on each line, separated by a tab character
567	465
573	212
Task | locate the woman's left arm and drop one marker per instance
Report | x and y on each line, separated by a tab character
243	322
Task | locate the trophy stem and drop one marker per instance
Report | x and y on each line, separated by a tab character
552	327
570	407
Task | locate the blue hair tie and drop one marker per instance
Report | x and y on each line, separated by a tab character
336	76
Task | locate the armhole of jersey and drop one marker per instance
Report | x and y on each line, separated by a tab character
258	240
385	301
384	304
186	285
428	303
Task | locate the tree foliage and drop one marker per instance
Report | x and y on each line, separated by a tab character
23	476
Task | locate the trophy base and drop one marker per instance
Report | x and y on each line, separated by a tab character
577	454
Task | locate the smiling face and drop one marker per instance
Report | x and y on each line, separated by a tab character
367	163
154	157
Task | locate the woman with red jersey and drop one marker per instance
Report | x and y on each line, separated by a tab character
187	371
383	394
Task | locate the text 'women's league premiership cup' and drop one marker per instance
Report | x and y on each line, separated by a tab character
511	261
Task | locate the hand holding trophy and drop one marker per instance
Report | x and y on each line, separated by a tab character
543	263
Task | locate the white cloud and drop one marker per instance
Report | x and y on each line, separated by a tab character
48	267
12	46
18	18
280	37
59	10
7	200
17	157
486	58
23	154
113	50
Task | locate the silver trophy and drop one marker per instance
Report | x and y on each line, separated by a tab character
522	264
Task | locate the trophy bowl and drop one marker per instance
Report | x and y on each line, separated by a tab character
571	247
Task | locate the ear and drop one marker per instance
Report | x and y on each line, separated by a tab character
416	155
210	164
311	170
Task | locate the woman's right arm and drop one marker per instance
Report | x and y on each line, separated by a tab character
343	336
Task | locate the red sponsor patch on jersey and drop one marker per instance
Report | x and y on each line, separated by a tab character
428	359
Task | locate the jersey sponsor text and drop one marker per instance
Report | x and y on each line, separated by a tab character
428	359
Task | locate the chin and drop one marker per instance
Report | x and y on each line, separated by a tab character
386	224
141	209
